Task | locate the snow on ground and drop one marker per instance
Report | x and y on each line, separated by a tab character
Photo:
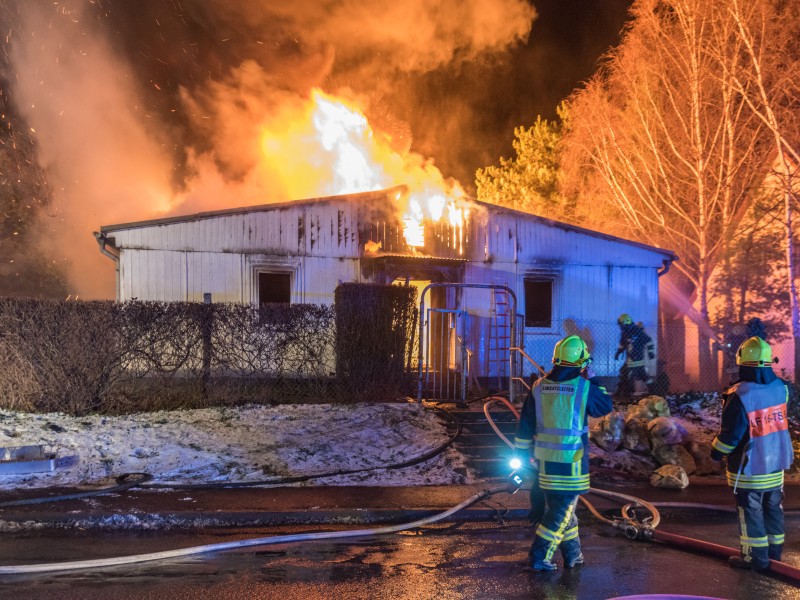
255	443
248	443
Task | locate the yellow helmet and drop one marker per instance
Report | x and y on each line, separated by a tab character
625	319
571	352
754	352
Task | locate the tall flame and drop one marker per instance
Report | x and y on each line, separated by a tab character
327	147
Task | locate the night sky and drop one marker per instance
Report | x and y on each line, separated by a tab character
566	42
460	109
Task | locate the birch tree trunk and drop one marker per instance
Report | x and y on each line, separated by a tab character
766	32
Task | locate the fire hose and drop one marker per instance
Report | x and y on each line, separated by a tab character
634	529
261	541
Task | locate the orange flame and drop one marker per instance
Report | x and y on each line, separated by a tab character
327	147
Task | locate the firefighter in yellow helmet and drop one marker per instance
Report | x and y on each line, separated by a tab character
638	348
554	425
754	435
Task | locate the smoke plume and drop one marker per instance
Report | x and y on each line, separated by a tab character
141	109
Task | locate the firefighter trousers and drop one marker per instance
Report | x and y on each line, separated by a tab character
761	529
557	529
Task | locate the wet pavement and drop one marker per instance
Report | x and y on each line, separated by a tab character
477	553
448	561
304	505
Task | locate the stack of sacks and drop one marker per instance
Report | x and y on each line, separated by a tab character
648	428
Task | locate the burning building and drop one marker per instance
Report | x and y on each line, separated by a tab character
546	273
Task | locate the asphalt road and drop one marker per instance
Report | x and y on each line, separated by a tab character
448	561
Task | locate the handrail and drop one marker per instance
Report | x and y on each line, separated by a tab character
522	381
422	322
533	362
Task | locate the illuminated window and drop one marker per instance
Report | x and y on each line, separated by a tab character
538	303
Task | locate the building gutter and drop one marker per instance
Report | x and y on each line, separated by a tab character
104	243
663	270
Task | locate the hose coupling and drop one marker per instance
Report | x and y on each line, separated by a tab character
647	532
630	531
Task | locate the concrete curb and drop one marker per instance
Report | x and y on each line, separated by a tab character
261	507
191	520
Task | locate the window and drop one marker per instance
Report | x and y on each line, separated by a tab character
274	288
538	303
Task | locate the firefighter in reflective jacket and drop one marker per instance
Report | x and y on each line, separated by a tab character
554	422
638	348
754	435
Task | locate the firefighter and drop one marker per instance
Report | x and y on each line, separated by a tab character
754	435
637	347
554	422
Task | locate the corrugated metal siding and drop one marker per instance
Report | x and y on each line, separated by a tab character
331	230
511	238
185	276
589	298
215	273
179	276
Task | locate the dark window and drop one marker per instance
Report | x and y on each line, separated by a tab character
274	288
538	303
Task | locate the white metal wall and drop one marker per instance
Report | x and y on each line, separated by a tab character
327	230
185	276
595	277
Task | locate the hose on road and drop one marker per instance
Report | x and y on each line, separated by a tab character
247	543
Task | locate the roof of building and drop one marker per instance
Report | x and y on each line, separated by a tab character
366	197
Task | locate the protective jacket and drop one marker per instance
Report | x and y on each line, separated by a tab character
754	432
554	423
635	343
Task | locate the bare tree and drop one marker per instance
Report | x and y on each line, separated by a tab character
672	142
766	31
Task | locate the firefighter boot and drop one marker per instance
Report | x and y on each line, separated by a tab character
538	555
775	551
745	562
571	551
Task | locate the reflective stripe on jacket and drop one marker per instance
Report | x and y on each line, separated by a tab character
560	419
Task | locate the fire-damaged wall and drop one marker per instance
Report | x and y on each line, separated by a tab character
300	251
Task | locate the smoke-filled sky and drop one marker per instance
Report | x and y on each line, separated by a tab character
149	107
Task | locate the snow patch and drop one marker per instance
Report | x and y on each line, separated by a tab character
241	444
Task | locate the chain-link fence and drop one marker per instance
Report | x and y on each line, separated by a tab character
684	356
80	357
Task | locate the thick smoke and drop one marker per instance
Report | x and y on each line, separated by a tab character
146	108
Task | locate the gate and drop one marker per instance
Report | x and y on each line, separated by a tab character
447	349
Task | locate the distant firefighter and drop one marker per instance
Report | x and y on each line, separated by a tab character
638	349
